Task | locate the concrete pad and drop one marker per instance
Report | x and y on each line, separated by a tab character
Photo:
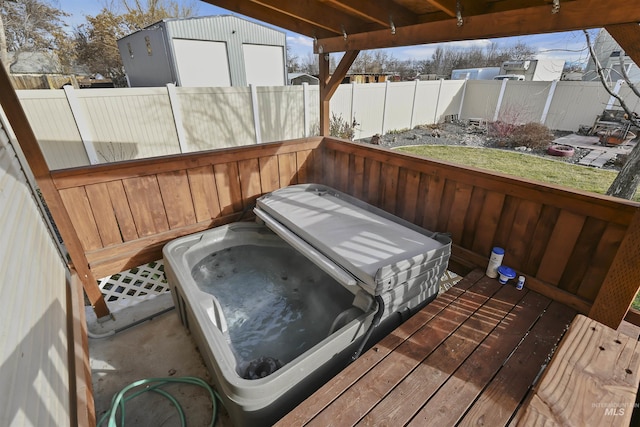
592	143
160	347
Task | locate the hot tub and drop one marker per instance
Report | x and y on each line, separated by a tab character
280	305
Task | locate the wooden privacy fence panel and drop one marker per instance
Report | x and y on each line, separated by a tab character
563	241
124	213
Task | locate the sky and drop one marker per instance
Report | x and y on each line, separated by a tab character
570	46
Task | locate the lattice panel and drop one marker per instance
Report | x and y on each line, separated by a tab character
135	284
622	282
448	279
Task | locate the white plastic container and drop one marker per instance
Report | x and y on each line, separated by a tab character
495	261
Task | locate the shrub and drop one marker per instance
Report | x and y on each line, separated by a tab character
340	128
502	131
530	135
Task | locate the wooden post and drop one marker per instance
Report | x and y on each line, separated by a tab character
38	165
623	279
82	391
323	65
329	84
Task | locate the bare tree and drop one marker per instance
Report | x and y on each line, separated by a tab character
29	25
626	182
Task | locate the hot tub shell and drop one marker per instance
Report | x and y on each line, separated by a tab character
364	249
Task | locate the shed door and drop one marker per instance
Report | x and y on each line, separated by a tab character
264	65
202	63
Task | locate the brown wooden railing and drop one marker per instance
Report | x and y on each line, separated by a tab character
564	242
124	213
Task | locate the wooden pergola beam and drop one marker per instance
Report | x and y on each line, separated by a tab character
382	12
273	17
628	37
448	7
29	144
314	13
574	15
329	84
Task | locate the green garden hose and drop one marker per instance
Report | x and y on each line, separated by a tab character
154	384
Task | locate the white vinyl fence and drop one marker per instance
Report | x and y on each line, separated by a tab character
89	126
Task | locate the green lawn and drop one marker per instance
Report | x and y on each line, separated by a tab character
522	165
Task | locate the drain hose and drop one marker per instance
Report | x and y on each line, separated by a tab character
155	384
375	322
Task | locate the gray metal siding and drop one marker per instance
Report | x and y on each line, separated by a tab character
34	371
144	68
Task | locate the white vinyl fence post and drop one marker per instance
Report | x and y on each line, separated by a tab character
499	104
174	103
353	95
547	104
82	124
305	103
413	103
435	113
384	105
464	92
256	113
616	90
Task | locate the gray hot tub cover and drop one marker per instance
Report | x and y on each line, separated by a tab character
379	249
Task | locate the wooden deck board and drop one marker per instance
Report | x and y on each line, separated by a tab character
503	396
602	368
479	369
469	357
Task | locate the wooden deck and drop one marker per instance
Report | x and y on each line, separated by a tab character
470	357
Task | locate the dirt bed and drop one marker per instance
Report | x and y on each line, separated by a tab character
462	134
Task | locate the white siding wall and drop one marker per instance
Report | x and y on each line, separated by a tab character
34	373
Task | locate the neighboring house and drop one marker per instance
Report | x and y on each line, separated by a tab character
299	78
608	51
203	52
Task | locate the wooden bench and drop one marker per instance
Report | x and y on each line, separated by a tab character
592	379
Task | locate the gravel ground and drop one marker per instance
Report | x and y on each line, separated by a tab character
464	135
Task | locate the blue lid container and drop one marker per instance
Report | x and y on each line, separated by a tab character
505	273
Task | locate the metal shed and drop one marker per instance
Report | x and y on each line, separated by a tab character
205	51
